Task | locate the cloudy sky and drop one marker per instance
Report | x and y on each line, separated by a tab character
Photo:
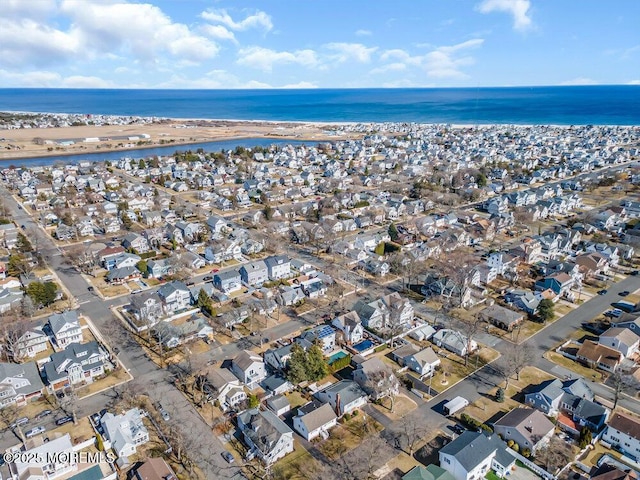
317	43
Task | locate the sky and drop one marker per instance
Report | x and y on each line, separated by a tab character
317	43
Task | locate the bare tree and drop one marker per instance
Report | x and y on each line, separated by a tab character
409	434
383	384
12	339
623	384
513	361
358	464
8	416
69	403
554	455
470	327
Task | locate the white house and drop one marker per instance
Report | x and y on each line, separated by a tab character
471	455
249	368
623	433
124	432
267	437
454	341
223	387
314	419
350	326
278	266
65	328
174	296
625	340
423	362
19	383
344	396
48	460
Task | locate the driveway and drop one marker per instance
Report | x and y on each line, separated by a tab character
521	473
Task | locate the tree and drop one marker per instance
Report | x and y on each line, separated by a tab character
481	180
42	293
393	232
546	310
622	383
513	361
142	266
586	436
470	327
500	395
23	245
296	370
317	368
19	265
204	302
8	416
554	454
253	401
11	339
383	383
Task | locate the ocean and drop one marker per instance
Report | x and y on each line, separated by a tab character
570	105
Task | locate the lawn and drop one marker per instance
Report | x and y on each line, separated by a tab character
452	368
594	455
402	406
402	462
296	399
116	377
580	369
491	475
345	437
296	465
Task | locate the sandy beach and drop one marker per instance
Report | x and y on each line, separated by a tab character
42	142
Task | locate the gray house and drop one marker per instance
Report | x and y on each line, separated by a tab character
267	437
254	274
278	266
228	281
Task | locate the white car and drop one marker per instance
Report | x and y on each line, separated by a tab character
34	431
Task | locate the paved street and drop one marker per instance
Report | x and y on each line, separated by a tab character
147	377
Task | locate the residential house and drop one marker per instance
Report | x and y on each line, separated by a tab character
278	266
125	432
501	317
154	468
146	307
525	300
527	427
136	242
454	341
224	388
228	281
267	437
277	358
107	256
249	368
276	385
623	433
376	378
76	364
560	283
350	327
118	276
624	340
174	296
314	419
344	396
423	362
40	460
290	295
172	335
32	341
65	328
324	334
430	472
472	454
599	356
254	274
159	268
19	383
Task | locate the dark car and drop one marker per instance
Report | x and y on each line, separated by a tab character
635	273
44	413
64	420
624	293
228	457
190	283
459	429
208	278
602	292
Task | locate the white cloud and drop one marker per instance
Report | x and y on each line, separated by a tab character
29	79
27	8
518	9
265	58
364	33
579	81
346	52
445	62
634	82
259	19
142	29
390	67
81	81
302	84
219	32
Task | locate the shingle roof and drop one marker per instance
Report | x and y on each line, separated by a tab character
472	448
625	424
318	417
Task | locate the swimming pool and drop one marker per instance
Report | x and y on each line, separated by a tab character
336	356
363	345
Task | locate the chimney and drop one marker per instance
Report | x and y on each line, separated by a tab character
338	404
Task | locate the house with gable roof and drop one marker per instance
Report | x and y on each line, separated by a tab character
267	437
344	396
65	328
125	432
19	383
472	454
76	364
249	367
314	419
527	427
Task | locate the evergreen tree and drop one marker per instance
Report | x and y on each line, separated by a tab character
545	310
316	366
42	293
393	232
296	371
500	395
23	244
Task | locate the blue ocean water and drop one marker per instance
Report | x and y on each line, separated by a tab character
579	105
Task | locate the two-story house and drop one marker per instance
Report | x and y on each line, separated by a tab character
249	368
267	437
278	266
254	274
19	383
623	433
76	364
65	328
124	433
174	296
472	454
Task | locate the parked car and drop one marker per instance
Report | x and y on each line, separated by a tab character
163	413
228	457
19	422
624	293
63	420
215	270
208	278
635	273
34	431
602	292
44	413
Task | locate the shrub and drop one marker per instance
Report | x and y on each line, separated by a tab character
515	447
510	443
346	417
526	452
355	413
